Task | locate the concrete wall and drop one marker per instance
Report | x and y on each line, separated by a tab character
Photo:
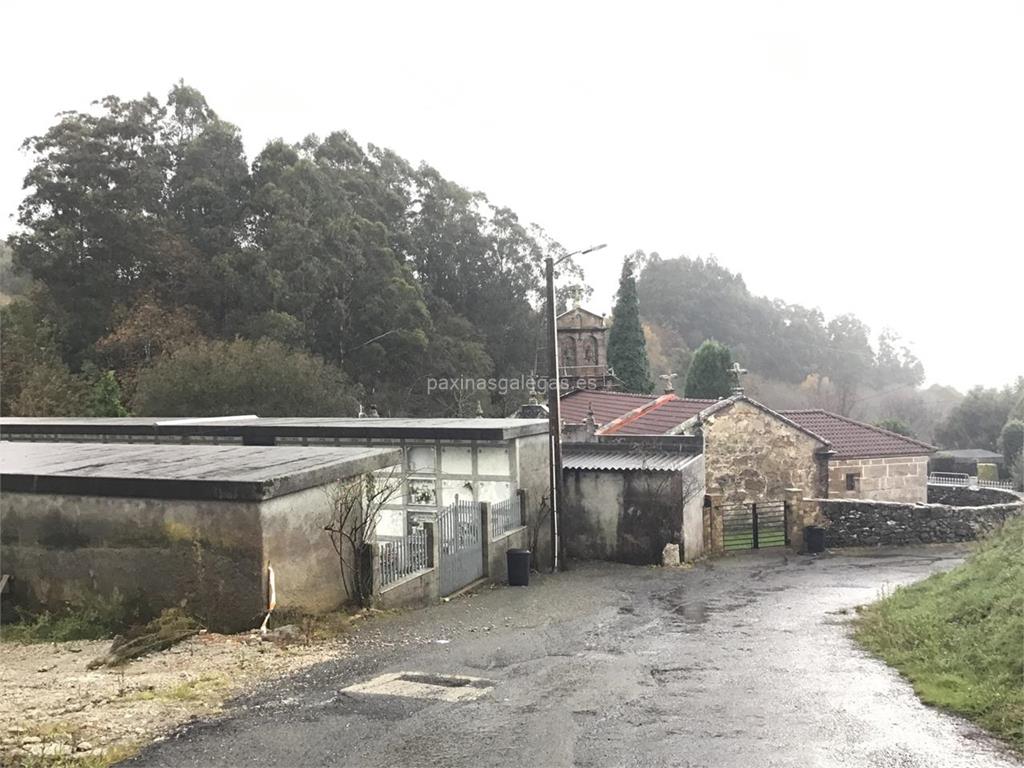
534	459
213	555
751	455
629	516
497	565
851	523
693	510
893	478
70	549
307	571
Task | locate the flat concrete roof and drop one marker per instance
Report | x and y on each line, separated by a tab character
219	472
262	431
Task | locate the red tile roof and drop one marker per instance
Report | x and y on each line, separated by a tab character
607	405
640	414
657	417
854	440
622	413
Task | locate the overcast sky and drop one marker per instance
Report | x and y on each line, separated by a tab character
860	157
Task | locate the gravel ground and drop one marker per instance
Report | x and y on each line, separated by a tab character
53	706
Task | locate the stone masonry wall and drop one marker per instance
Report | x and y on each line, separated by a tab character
850	523
893	478
751	455
963	496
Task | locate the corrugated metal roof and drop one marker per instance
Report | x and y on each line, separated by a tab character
598	457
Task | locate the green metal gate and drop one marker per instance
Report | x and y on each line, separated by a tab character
755	525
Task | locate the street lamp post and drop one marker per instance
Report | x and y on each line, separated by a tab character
554	402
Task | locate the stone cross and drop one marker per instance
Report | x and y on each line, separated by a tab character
667	378
736	372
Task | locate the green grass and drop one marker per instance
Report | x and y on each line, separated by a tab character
958	637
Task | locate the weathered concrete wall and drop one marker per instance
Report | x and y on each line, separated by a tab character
964	496
497	565
851	523
751	455
69	549
417	591
213	555
693	510
893	478
533	454
307	571
629	516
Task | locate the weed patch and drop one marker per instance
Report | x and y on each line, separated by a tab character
96	618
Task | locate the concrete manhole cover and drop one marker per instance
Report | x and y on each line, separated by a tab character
422	685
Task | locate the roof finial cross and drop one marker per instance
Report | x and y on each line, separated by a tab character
667	378
735	372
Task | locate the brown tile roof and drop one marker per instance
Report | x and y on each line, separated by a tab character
607	405
656	417
854	440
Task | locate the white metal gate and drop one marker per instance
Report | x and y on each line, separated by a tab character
461	545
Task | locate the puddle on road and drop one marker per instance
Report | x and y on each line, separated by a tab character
695	611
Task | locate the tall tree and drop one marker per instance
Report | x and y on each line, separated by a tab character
220	378
709	375
627	348
978	419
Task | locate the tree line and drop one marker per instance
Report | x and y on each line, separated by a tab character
162	272
698	318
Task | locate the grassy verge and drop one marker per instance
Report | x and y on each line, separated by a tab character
958	637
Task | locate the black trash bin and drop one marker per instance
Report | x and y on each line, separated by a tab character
518	567
814	539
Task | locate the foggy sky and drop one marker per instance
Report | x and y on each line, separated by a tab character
859	157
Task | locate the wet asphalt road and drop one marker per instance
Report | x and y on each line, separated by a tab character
744	662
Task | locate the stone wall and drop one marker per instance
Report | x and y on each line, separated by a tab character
850	523
964	496
751	455
893	478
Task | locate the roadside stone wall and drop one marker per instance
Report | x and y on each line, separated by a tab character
751	455
963	496
859	523
893	478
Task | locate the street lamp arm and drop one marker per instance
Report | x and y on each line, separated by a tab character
582	252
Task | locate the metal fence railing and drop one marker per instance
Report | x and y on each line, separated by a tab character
403	557
506	515
958	479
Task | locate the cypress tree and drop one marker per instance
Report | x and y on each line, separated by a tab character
709	376
627	348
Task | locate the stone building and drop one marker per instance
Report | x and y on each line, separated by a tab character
756	453
868	462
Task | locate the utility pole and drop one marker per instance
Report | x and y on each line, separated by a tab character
554	403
